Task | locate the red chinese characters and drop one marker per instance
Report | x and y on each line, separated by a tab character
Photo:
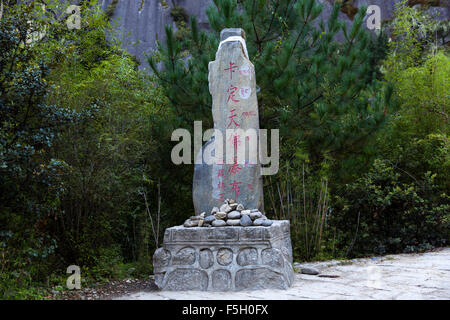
249	114
235	188
230	180
234	139
231	68
245	92
232	121
245	70
234	169
232	94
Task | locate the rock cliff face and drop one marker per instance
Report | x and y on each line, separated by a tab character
141	22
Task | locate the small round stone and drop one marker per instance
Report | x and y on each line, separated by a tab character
206	258
266	223
209	219
258	222
234	222
214	210
272	257
220	215
225	208
221	280
246	212
310	271
219	223
190	223
224	256
255	215
240	207
185	256
234	215
247	256
254	210
161	258
246	221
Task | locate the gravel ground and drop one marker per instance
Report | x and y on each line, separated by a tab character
393	277
108	291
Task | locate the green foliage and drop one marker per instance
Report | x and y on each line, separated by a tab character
415	33
30	179
77	149
417	140
181	84
379	213
423	91
320	92
107	158
303	198
179	15
111	8
85	171
337	109
402	202
419	67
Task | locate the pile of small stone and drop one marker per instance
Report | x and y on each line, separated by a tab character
230	213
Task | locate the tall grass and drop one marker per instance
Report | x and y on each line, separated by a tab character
303	199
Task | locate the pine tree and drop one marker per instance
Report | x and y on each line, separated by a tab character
317	79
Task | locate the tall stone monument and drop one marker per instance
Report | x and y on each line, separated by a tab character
229	245
232	85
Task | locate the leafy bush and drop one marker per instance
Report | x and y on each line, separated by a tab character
379	213
402	203
77	148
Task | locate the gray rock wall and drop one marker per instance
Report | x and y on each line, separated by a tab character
138	27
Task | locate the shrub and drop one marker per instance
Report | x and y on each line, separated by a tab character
379	213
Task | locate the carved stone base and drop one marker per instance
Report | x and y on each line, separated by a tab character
225	258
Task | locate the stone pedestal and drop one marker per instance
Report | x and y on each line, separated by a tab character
225	258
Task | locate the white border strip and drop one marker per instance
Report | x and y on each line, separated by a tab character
236	38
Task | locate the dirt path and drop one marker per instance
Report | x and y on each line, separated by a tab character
107	291
403	276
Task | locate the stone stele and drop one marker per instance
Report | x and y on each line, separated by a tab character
234	106
225	258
